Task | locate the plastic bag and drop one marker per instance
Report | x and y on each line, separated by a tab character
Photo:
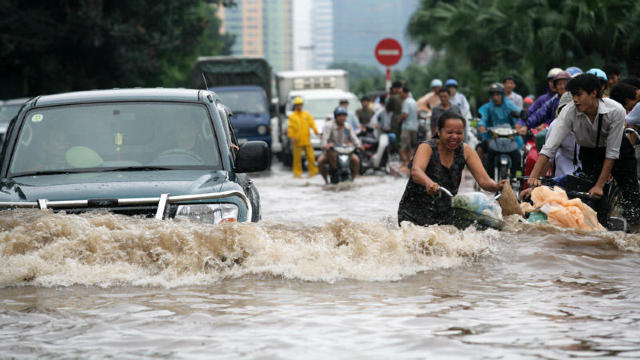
565	212
478	203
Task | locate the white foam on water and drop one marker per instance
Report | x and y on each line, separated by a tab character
100	249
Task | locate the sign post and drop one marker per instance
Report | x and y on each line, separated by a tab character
388	52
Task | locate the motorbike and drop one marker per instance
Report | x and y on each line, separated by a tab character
501	143
376	151
343	172
577	186
530	151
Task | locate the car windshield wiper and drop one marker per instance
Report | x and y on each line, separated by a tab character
44	172
137	168
90	170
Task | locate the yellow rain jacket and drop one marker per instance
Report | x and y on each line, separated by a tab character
300	124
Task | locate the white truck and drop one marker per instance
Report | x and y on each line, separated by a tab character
321	91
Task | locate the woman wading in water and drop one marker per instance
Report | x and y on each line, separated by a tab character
439	162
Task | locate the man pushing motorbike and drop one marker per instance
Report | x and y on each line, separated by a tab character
598	126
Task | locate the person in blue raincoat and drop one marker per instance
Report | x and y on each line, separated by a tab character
499	111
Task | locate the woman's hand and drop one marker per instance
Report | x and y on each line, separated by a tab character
432	187
499	185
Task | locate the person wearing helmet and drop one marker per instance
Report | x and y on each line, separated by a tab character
337	132
542	99
598	126
509	84
299	131
602	77
545	114
458	99
499	111
573	71
527	102
430	100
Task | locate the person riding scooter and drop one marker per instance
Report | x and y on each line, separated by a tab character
499	111
335	133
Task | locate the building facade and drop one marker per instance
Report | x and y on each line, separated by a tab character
261	28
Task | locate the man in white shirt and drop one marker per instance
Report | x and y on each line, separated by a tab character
598	126
409	119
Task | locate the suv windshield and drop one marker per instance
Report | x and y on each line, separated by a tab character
7	112
123	136
248	101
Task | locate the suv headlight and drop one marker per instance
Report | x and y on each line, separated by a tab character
208	213
262	129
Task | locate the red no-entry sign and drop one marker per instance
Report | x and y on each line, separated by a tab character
388	52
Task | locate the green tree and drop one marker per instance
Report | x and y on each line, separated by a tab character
48	47
362	78
484	40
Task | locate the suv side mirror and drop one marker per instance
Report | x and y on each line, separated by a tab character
253	156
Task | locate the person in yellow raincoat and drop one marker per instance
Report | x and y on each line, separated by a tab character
300	124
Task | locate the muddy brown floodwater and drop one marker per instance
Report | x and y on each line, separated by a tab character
326	274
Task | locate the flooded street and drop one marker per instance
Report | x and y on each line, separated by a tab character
326	274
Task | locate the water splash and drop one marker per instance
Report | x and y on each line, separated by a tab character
101	249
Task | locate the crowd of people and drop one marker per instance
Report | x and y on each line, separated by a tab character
581	119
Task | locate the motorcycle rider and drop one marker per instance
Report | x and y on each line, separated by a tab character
509	84
602	77
551	90
598	125
498	111
458	99
546	113
337	132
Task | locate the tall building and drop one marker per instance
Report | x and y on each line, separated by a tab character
322	33
262	28
360	24
302	41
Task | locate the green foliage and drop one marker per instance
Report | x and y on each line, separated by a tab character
362	78
49	47
484	40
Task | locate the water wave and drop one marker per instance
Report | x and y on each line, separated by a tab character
101	249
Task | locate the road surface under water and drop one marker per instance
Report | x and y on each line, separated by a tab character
326	274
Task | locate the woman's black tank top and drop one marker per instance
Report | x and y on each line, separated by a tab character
421	208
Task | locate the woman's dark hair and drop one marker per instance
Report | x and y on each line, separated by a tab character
587	82
622	92
449	114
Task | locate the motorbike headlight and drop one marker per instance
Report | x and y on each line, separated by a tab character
262	129
208	213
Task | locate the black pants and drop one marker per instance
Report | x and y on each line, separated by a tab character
624	173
